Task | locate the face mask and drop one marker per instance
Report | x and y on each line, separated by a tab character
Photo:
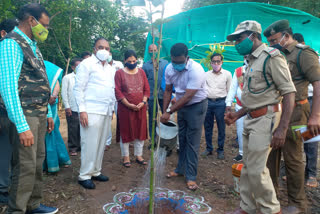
278	46
39	32
151	55
102	55
179	67
216	68
245	46
109	58
131	66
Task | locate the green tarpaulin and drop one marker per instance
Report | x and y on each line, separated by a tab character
200	27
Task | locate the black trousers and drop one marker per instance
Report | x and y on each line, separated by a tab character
73	132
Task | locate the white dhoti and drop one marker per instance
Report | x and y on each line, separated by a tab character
93	139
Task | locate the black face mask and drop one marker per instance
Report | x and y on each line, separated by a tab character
131	66
277	46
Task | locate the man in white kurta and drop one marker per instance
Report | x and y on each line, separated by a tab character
116	65
94	93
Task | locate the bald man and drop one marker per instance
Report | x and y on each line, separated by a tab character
148	69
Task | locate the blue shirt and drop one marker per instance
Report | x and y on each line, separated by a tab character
192	77
148	69
11	60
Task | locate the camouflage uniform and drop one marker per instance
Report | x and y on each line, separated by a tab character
27	162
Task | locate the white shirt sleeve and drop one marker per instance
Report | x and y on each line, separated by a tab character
232	91
229	80
82	79
64	92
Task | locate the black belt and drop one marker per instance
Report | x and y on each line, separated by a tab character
217	99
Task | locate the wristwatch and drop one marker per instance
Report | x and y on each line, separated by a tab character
169	110
144	102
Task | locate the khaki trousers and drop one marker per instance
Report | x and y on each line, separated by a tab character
93	140
256	188
293	159
27	164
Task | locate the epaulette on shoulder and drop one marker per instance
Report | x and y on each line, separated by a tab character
272	51
301	46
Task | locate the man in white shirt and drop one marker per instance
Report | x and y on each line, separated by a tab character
117	65
218	82
94	93
235	92
188	79
71	108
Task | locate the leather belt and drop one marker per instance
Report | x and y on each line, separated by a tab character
217	99
263	111
301	102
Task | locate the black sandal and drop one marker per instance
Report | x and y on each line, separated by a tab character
127	164
142	162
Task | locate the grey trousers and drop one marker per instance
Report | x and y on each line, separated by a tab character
27	164
190	121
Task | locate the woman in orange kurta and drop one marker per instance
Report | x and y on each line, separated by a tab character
132	92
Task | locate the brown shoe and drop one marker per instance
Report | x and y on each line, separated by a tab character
238	211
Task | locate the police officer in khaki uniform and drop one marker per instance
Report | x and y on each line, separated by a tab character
267	81
304	67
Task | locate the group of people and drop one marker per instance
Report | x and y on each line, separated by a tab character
271	94
274	99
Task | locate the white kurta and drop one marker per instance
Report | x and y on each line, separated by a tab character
94	94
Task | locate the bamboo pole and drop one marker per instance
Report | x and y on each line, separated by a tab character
155	99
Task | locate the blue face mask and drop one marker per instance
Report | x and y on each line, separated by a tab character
179	67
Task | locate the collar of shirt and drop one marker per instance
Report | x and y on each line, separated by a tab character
30	42
150	61
217	73
291	47
256	53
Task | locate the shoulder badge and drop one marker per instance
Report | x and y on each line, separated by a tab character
301	46
272	51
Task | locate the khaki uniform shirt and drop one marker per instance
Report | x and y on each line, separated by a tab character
256	93
309	66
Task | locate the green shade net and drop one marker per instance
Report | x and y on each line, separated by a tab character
200	27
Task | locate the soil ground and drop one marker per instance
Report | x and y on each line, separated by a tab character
214	179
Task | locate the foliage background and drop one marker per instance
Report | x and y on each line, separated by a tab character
75	24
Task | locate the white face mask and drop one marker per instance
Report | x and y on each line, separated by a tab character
102	55
109	58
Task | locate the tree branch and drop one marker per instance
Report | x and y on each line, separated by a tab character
54	15
55	38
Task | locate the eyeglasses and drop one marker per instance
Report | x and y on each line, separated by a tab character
216	62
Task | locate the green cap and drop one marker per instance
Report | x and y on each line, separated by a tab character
248	25
276	27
